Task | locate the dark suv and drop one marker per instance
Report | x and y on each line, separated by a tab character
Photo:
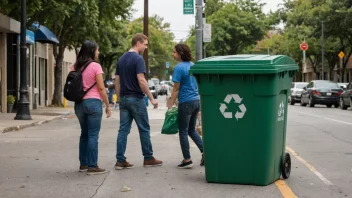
345	98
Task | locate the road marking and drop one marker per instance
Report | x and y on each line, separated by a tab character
339	121
310	167
284	189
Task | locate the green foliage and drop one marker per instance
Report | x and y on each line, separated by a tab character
236	25
160	44
75	21
11	99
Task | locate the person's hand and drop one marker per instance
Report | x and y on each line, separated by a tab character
154	103
169	105
108	111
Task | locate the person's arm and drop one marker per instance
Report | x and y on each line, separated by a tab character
117	85
103	94
174	95
145	88
176	78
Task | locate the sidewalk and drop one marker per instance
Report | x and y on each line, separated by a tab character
39	116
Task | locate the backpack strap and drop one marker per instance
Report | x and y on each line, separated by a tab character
91	87
84	68
86	65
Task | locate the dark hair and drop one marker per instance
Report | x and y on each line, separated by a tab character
184	51
85	54
138	37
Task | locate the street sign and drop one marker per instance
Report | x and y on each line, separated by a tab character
167	64
188	7
303	46
341	54
207	33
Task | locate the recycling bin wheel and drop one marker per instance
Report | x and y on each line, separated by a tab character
286	166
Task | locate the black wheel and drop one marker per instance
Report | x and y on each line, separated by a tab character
302	103
310	102
329	105
342	105
337	105
286	166
292	102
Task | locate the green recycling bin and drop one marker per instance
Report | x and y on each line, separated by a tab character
244	117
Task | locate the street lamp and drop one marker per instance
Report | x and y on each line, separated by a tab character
23	104
322	50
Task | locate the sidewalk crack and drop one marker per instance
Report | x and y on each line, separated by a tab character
96	191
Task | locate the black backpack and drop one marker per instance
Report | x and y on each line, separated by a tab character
73	90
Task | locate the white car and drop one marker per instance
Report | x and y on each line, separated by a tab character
165	87
296	90
343	85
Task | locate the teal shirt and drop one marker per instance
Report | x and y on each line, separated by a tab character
188	84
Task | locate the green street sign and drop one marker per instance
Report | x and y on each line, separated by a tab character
188	7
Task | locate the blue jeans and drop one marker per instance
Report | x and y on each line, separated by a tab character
133	108
111	94
187	118
89	113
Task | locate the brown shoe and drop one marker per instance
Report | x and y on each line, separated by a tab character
83	168
152	162
123	165
202	160
95	171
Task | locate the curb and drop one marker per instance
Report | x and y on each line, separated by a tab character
37	123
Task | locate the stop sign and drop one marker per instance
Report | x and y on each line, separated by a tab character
303	46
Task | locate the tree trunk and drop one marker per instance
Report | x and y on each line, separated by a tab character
57	97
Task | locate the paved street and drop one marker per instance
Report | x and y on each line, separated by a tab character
42	161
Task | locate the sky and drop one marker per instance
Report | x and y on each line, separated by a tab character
172	12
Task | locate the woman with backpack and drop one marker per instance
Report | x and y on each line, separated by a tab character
89	111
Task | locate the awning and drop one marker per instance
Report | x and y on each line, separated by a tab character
44	35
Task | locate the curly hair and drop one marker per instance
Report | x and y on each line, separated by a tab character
184	51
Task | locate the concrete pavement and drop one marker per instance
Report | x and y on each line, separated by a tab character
39	116
43	161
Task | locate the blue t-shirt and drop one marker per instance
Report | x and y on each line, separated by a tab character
188	84
128	66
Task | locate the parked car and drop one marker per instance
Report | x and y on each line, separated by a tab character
152	89
345	98
343	85
296	90
321	92
157	85
165	85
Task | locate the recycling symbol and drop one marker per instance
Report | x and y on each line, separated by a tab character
238	100
281	109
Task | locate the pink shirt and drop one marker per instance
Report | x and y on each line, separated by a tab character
89	78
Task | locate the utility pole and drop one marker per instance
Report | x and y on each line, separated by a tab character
199	29
23	104
145	32
322	50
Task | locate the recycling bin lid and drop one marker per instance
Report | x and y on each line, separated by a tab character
244	64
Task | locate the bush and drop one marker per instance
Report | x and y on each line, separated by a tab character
11	99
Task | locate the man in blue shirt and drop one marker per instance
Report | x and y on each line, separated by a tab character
186	89
131	85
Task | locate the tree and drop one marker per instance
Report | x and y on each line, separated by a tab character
73	22
160	43
336	16
235	26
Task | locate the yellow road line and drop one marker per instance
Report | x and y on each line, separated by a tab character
284	189
310	167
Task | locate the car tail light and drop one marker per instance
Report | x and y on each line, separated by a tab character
316	93
339	93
